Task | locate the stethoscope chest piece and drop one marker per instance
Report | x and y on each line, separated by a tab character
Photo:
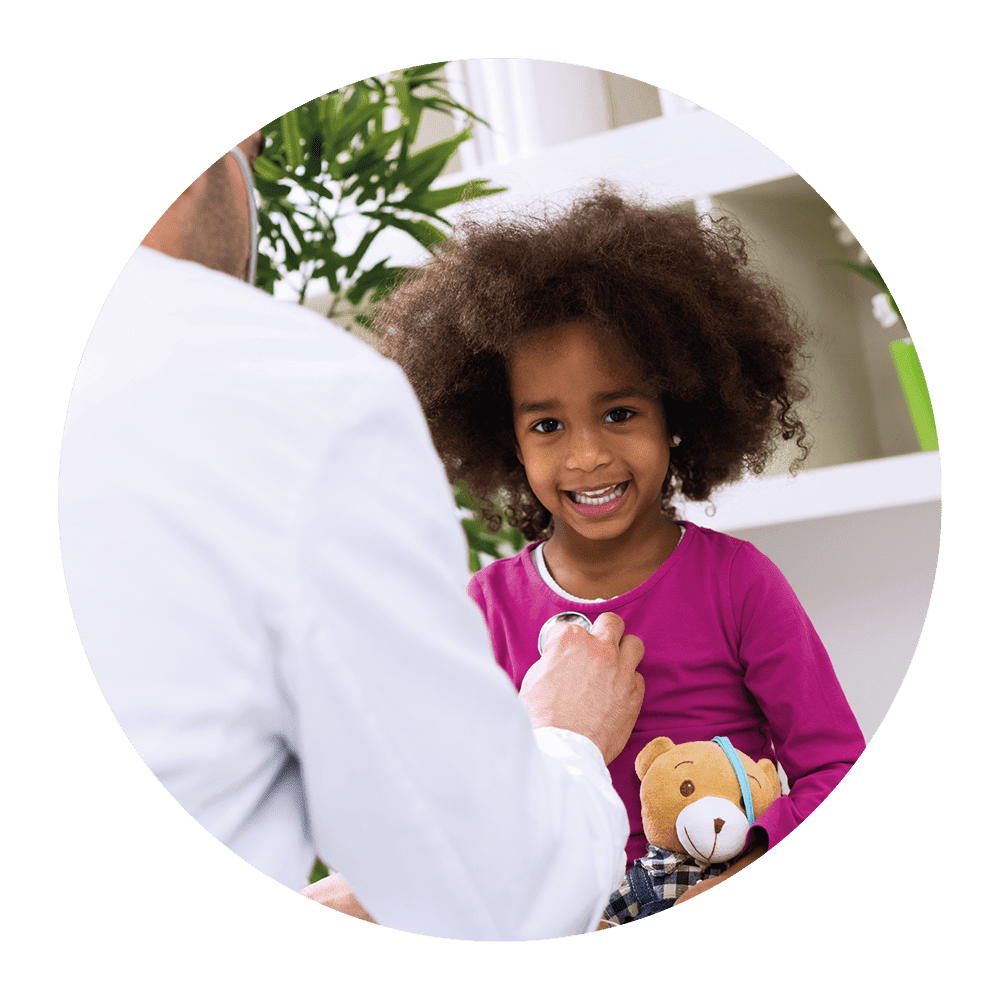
563	618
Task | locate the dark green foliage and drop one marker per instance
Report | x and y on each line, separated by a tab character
349	153
505	542
319	871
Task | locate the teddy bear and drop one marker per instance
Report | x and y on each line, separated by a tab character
696	817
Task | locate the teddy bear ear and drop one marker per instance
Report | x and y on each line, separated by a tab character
771	773
650	752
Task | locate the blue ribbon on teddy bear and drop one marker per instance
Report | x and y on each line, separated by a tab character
741	774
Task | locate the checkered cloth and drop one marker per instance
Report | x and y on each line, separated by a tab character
654	883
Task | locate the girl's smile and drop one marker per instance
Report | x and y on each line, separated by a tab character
594	502
592	438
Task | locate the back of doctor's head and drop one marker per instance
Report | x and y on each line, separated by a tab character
216	234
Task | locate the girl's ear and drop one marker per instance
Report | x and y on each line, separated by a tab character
517	451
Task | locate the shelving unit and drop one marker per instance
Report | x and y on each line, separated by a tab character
854	488
856	530
667	159
857	412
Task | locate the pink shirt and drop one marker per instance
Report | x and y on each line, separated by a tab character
729	652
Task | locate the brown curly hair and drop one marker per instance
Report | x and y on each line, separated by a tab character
715	338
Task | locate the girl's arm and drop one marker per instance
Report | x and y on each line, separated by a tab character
788	671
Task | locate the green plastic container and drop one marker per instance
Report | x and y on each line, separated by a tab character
911	378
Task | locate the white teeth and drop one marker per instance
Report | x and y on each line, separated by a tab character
594	498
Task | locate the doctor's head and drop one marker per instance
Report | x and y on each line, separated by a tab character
211	222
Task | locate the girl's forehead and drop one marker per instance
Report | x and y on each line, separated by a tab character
575	344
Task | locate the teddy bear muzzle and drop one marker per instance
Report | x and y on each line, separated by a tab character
712	829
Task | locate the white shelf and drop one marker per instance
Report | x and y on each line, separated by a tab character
666	159
838	489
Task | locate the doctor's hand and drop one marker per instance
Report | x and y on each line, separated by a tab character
586	682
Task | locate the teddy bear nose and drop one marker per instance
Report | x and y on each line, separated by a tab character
719	824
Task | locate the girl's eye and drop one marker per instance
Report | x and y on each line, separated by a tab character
547	426
618	416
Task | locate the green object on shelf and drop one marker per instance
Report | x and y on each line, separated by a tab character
911	378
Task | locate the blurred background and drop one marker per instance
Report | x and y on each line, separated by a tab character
857	530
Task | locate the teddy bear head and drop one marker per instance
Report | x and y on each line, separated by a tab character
691	798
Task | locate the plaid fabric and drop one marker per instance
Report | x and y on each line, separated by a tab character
654	882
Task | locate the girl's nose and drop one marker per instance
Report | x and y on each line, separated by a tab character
586	452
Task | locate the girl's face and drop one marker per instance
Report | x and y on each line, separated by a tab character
591	436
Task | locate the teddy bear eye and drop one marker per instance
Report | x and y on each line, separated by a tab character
687	788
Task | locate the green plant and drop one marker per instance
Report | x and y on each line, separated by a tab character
483	542
350	153
869	273
884	306
346	154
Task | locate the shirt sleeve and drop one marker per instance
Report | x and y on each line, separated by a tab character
788	671
427	787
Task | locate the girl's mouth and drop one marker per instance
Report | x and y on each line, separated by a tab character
597	501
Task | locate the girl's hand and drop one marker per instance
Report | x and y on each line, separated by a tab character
740	863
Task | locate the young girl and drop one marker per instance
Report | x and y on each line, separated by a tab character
587	370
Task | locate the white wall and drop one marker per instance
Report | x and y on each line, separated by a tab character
792	237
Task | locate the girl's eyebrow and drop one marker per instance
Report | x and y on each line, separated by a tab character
626	392
539	407
623	393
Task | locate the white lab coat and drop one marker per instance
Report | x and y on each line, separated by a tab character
268	576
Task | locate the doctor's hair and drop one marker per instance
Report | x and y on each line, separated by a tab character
712	336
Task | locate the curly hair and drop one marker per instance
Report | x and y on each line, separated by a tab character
714	338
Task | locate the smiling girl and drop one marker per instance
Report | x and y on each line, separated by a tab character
586	370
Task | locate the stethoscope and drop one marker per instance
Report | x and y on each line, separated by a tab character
575	618
241	159
564	618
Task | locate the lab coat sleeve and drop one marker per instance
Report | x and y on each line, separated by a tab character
427	787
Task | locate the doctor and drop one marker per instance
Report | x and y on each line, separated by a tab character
268	576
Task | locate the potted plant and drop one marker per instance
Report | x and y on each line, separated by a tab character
904	354
349	155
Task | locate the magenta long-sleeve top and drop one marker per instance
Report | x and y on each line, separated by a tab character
729	652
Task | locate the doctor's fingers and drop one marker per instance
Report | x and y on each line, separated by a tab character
630	652
609	626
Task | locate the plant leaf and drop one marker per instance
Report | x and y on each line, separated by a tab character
376	283
372	152
268	170
426	234
866	271
341	129
424	70
354	260
291	138
431	201
423	167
